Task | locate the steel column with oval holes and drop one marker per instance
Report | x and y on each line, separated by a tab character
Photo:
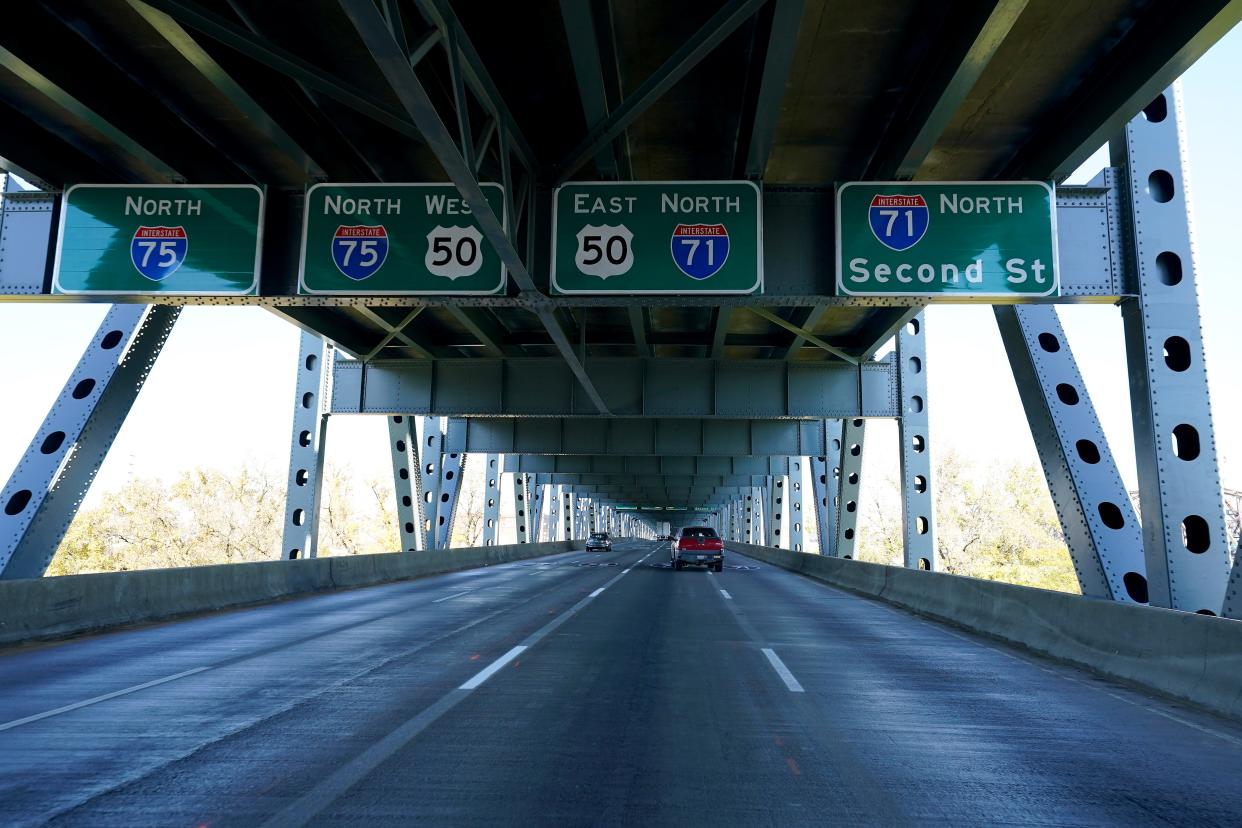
754	506
852	434
1101	528
826	485
491	498
452	468
794	496
403	445
776	508
567	513
917	507
520	501
536	506
430	446
1184	535
310	437
57	469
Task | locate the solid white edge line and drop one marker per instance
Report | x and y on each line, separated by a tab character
598	591
491	669
726	594
450	597
783	671
78	705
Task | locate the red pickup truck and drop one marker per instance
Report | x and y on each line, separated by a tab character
698	546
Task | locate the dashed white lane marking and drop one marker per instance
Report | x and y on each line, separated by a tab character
598	591
451	597
103	698
783	671
491	669
726	594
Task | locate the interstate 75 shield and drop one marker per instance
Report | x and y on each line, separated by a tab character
899	222
157	252
359	250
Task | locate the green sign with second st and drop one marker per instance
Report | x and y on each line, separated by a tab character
956	240
657	237
397	239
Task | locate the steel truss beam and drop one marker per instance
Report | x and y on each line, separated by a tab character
918	512
452	469
394	65
1078	464
545	387
826	486
54	474
308	448
1184	536
521	498
698	46
793	494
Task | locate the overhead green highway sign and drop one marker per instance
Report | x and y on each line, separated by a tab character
397	239
657	237
200	240
956	240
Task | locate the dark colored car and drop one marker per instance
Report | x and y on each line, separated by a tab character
599	542
698	546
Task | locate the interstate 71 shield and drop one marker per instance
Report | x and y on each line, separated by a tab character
700	250
157	252
899	222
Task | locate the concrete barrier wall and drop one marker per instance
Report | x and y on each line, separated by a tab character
1193	657
42	608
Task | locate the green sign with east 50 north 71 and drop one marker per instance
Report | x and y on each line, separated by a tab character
956	240
397	239
200	240
657	237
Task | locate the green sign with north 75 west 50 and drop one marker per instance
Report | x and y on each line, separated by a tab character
200	240
397	239
657	237
956	240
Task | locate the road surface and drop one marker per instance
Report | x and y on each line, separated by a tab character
590	689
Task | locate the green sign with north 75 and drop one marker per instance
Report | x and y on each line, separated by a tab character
657	237
198	240
397	239
955	240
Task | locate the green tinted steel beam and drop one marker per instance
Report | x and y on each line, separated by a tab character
937	93
589	74
720	331
396	69
777	60
77	124
1163	42
699	45
638	324
803	333
260	49
804	318
256	117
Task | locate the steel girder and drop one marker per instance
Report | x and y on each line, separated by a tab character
545	387
491	498
406	481
848	501
1078	464
1184	535
55	472
644	466
308	448
918	512
799	269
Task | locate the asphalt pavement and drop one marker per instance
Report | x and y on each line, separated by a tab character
590	689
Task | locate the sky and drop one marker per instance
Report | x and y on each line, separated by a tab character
221	394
